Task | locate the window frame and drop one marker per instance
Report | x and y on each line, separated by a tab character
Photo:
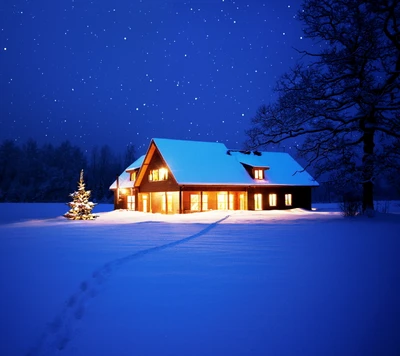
288	199
194	202
257	201
273	199
204	202
222	201
258	173
158	175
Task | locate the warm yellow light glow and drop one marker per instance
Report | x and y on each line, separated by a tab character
205	202
194	202
123	191
163	174
222	201
288	199
231	202
272	200
131	202
258	174
158	175
257	201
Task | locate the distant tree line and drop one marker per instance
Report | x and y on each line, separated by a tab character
48	173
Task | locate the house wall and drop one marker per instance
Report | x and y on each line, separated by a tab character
301	197
161	186
212	194
121	199
160	202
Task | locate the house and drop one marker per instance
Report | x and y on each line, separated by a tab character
179	176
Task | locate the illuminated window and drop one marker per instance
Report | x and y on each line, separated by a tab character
231	201
145	203
166	202
131	202
169	201
158	175
155	175
133	176
272	200
288	199
163	174
194	202
257	201
222	200
205	202
258	174
241	201
163	203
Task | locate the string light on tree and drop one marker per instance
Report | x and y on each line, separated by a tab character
80	207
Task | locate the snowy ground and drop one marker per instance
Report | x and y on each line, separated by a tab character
217	283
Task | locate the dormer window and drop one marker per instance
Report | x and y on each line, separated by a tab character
258	173
158	175
133	176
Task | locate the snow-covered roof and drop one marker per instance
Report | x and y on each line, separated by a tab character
211	163
124	177
283	169
195	162
135	165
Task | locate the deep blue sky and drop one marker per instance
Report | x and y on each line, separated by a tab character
103	72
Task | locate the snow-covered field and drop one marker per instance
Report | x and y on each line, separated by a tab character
215	283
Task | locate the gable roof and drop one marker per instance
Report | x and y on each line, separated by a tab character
211	163
124	178
195	162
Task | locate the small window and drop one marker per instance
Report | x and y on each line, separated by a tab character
133	176
131	202
272	200
257	201
258	174
288	199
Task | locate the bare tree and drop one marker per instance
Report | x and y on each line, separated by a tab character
341	103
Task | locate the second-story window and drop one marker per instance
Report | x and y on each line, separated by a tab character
133	176
158	174
258	174
163	174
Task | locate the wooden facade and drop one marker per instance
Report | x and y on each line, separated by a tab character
154	189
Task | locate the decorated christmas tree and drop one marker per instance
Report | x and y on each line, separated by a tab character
81	207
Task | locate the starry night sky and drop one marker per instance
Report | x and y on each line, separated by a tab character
103	72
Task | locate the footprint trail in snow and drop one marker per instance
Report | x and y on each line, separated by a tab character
60	331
